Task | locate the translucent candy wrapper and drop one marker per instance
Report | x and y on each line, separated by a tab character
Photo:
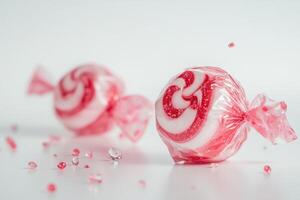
203	116
89	100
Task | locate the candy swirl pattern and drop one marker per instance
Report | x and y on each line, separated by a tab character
190	113
193	114
184	105
83	98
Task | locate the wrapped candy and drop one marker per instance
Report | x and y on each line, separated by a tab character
203	116
89	100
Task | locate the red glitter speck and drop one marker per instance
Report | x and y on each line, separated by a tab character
11	143
86	166
51	187
231	45
267	169
75	152
142	183
62	165
32	165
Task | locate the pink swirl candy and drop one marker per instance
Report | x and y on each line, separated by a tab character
203	116
86	100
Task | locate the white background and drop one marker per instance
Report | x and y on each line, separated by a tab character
145	43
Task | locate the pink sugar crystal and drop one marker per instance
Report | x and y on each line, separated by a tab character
75	152
11	143
267	169
32	165
51	187
61	165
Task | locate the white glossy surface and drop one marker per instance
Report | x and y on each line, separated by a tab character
241	177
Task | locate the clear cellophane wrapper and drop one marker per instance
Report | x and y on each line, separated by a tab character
203	116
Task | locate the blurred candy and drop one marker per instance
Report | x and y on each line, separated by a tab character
88	100
11	143
203	116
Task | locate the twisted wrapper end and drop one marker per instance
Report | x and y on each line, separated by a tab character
132	114
40	83
268	117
